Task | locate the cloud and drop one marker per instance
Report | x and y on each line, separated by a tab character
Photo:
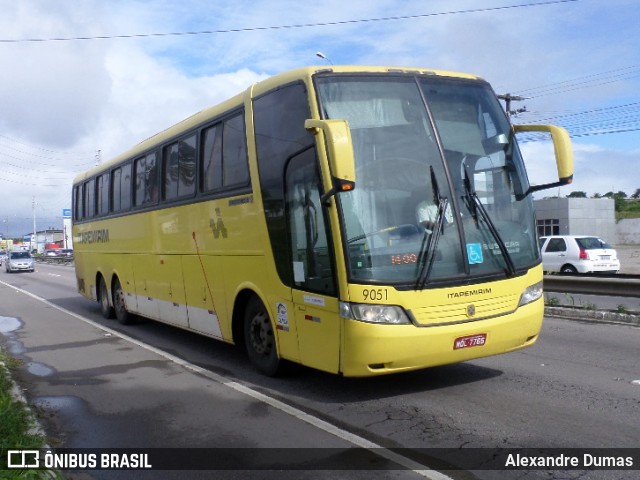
596	169
64	101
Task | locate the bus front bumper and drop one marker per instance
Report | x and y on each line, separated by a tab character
374	349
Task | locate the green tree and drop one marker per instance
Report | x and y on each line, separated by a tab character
577	195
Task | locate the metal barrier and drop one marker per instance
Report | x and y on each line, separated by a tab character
615	286
54	259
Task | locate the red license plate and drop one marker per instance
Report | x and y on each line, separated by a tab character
477	340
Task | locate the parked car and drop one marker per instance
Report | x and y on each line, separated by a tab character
578	254
19	260
66	252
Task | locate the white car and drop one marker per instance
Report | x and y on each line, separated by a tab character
578	254
19	261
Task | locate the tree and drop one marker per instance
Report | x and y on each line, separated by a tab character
577	195
636	195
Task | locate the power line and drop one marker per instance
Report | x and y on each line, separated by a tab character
35	147
572	84
284	27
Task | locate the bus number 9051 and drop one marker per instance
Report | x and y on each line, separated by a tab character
375	294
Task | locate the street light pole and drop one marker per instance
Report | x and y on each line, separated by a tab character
35	232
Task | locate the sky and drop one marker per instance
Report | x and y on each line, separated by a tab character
82	81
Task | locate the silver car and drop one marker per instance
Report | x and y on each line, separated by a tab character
19	261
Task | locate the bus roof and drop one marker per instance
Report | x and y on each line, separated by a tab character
303	73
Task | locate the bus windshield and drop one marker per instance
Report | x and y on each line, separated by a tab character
440	183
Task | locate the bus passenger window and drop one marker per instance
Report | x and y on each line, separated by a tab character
103	194
171	165
211	167
89	199
125	187
178	170
235	170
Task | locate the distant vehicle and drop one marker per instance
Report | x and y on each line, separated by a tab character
19	261
66	252
53	252
3	256
578	254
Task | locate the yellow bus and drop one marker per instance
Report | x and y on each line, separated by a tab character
357	220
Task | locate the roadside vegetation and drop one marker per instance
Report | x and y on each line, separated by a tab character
625	206
17	430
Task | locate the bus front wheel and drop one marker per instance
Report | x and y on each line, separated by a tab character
120	305
260	339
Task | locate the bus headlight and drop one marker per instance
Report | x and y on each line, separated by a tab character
531	294
388	314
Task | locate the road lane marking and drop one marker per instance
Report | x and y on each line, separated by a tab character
323	425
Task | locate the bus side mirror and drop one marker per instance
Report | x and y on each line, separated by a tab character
342	164
563	153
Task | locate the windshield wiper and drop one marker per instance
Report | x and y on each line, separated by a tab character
430	242
476	207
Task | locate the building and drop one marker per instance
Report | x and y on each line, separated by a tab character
48	237
577	216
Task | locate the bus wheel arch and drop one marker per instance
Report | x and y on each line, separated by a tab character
253	328
106	307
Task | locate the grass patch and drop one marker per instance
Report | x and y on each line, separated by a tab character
16	427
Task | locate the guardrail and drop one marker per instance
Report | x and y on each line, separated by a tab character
58	259
615	286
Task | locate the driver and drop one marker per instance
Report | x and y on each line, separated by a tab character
427	213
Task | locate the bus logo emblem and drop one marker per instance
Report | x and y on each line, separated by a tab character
217	226
471	310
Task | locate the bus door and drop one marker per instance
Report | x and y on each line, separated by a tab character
314	291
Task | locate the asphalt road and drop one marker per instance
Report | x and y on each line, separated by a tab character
99	384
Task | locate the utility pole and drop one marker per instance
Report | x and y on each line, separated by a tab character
35	232
508	98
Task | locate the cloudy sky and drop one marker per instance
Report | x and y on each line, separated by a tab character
87	79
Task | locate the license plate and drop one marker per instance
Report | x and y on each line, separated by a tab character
477	340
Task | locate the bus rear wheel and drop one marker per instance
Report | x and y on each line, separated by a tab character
120	305
260	339
105	308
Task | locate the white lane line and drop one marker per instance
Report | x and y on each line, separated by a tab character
352	438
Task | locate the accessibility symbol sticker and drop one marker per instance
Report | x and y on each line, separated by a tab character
474	253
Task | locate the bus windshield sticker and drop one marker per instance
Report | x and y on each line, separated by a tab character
474	253
298	272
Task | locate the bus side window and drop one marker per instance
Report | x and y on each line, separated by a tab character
308	233
178	170
211	163
89	199
103	194
125	187
235	169
170	171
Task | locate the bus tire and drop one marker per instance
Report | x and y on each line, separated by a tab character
120	304
259	338
105	308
